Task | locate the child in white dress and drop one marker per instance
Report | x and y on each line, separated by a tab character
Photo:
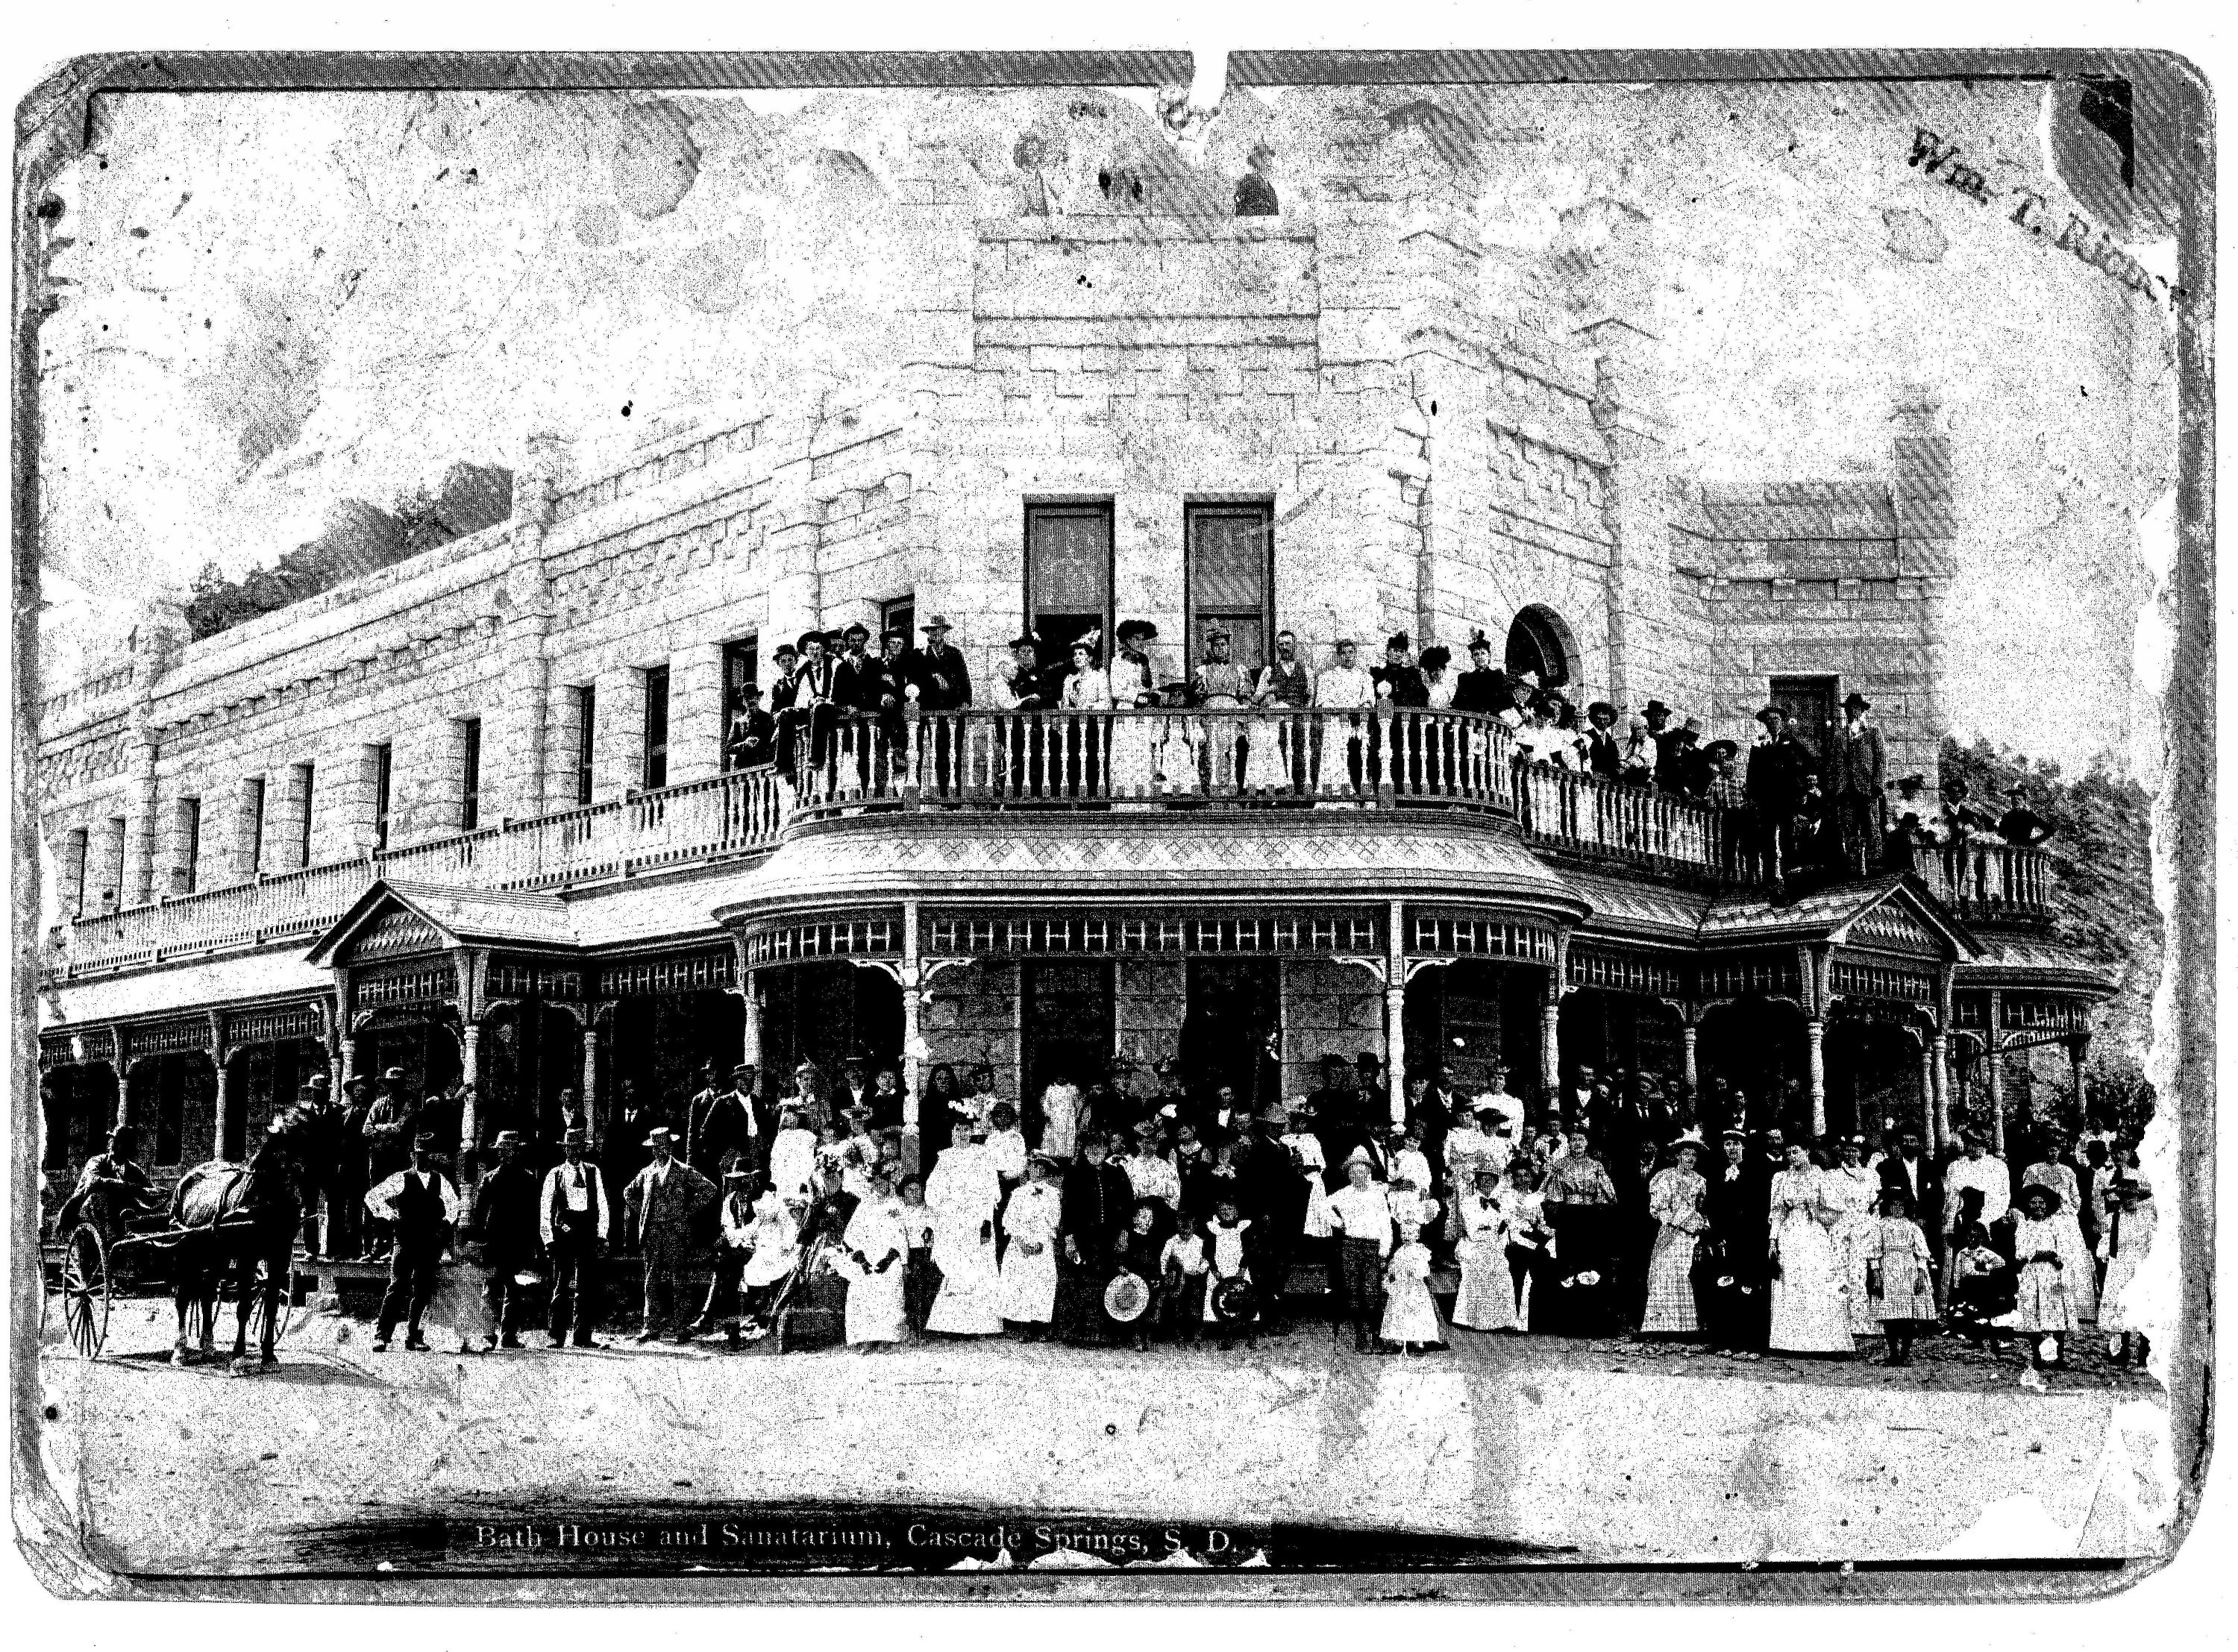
2127	1237
1410	1317
1487	1300
793	1156
1226	1231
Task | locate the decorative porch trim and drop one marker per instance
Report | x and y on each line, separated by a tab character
709	970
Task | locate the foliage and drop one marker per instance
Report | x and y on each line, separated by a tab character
359	539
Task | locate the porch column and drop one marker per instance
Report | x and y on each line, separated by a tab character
2078	1049
912	1033
749	1040
1814	1035
1688	1032
224	1103
1933	1126
224	1098
1550	1044
470	1076
1938	1073
1395	1007
590	1091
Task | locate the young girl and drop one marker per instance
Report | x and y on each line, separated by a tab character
1138	1251
1981	1288
921	1283
1226	1232
772	1251
2128	1235
877	1251
1899	1283
1182	1267
1006	1145
1410	1317
793	1156
2044	1308
1306	1156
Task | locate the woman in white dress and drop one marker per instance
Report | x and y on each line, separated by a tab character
1486	1298
877	1247
2074	1252
1410	1315
1810	1314
1854	1191
1029	1273
771	1241
1523	1215
2127	1237
963	1192
1675	1199
1312	1163
1135	732
1079	766
2043	1304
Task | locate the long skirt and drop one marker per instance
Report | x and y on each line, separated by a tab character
2115	1312
2079	1266
1671	1283
1409	1315
1265	764
1028	1283
1857	1238
970	1300
2042	1302
919	1286
1134	755
876	1310
1809	1313
1486	1298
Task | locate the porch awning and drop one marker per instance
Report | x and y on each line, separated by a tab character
1890	914
404	920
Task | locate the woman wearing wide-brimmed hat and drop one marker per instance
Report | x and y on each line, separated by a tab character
2043	1304
1675	1199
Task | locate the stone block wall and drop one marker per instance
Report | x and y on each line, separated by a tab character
1328	1008
971	1015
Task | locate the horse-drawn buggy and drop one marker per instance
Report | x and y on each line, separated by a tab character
223	1226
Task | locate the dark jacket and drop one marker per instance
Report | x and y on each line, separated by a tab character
1927	1195
506	1217
1407	687
1098	1202
1604	753
1740	1213
752	741
858	685
943	680
1487	690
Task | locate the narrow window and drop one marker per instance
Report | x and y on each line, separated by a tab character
741	691
656	728
1230	551
384	766
252	824
899	614
470	777
305	774
586	740
190	841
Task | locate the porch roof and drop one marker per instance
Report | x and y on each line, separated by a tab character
455	917
2026	963
1747	917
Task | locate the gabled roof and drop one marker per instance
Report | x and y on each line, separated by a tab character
1744	918
449	916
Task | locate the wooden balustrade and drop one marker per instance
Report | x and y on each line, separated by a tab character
1986	880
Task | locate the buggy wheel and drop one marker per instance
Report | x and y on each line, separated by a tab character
85	1289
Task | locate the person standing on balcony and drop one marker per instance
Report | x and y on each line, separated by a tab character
1483	688
1219	685
1604	752
1345	691
1087	689
1776	766
784	712
1285	683
751	741
1856	767
814	714
1397	681
943	682
1136	739
2022	826
858	694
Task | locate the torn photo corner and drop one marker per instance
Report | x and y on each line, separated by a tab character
809	825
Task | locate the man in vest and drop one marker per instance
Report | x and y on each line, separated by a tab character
574	1220
659	1209
724	1122
943	682
506	1224
422	1209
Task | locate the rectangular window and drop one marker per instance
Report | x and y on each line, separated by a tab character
384	769
656	728
305	774
190	841
74	880
252	823
900	613
1230	551
110	893
470	773
1069	550
741	689
586	740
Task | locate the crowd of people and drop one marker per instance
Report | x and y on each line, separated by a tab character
1797	802
1133	1212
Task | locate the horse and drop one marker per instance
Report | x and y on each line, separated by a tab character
233	1219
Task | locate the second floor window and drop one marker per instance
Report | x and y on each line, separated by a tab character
741	690
1069	575
304	775
384	767
252	824
586	740
1229	550
656	728
470	773
190	841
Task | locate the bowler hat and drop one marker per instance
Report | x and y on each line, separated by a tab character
858	629
1857	699
574	1138
744	1067
937	623
1027	641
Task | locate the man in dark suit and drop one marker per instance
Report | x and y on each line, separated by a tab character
1098	1201
1856	766
751	741
722	1122
943	682
1732	1272
783	698
1776	763
506	1222
859	694
1603	752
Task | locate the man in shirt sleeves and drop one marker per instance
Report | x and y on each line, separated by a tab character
574	1220
423	1210
1360	1215
658	1210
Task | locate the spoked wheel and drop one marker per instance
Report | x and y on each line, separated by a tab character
85	1289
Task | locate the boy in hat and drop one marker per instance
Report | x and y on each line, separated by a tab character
1604	752
574	1220
1360	1212
505	1221
1183	1269
784	694
659	1209
422	1209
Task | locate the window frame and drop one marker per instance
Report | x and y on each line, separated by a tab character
587	743
652	765
1057	508
748	647
190	810
306	775
1193	511
384	777
260	793
470	774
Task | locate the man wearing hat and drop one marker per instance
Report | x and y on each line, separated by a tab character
783	705
1337	1113
345	1234
124	1186
858	691
943	682
2020	825
1854	768
389	1127
727	1122
658	1210
1603	752
1776	763
811	713
574	1221
422	1209
751	740
506	1223
1360	1215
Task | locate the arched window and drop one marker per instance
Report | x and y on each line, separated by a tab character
1539	642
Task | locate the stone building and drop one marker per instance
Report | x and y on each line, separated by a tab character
469	815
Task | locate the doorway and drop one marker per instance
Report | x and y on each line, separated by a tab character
1809	703
1066	1021
1231	1032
